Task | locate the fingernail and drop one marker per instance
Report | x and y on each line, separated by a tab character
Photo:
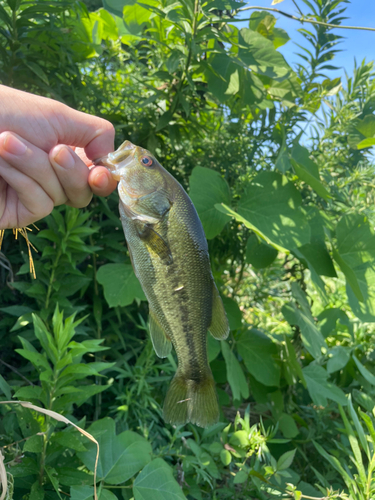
101	181
14	145
64	158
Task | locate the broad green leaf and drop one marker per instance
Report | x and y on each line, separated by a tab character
260	56
234	314
235	375
333	318
213	348
366	143
120	284
288	426
226	210
307	170
338	359
356	257
264	23
222	76
34	444
156	482
259	254
208	188
283	161
135	16
241	477
121	456
285	461
87	493
317	258
320	389
258	353
115	6
272	204
362	134
225	457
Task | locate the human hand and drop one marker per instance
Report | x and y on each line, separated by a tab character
37	170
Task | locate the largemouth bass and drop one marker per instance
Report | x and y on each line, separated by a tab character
169	253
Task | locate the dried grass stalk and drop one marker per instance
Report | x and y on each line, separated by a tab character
60	418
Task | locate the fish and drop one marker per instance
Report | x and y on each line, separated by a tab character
169	253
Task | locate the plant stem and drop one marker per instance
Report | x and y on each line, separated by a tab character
303	19
52	277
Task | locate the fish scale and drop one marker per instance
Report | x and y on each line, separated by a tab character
169	255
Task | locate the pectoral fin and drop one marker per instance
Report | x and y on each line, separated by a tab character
219	327
155	242
160	341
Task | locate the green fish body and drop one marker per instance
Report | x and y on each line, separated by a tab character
169	253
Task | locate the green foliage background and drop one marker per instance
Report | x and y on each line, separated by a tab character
276	160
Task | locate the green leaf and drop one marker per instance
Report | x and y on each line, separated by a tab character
334	462
259	254
87	493
121	456
288	426
366	143
338	360
156	482
120	284
240	477
258	352
234	314
312	338
272	204
283	162
364	371
235	375
320	389
225	457
135	16
260	56
317	258
285	461
264	23
222	76
5	388
356	258
213	348
363	133
35	68
34	444
207	188
307	170
226	210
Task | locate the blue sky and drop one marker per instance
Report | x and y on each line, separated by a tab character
356	44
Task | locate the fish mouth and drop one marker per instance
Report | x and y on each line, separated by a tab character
119	159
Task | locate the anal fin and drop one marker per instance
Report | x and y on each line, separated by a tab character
160	341
219	327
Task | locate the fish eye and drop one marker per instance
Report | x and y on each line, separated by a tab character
147	161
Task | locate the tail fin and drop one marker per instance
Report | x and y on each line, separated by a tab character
190	401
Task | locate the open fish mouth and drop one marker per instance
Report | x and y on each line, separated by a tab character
119	159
